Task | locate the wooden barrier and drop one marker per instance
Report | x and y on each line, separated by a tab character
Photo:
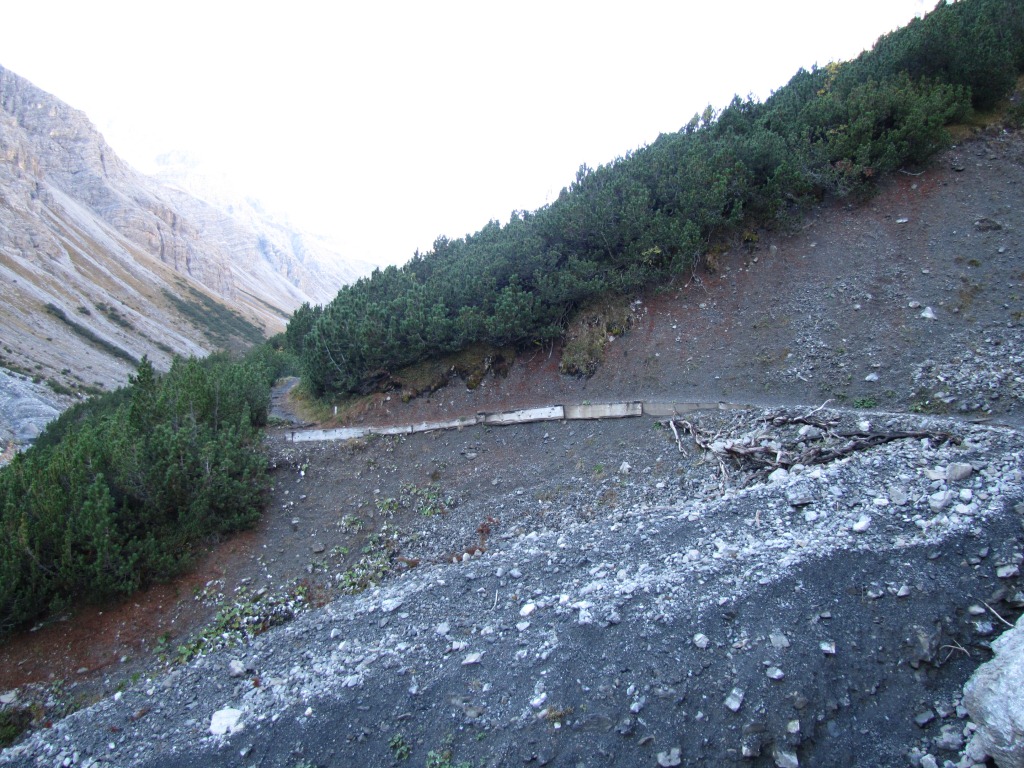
604	410
526	416
552	413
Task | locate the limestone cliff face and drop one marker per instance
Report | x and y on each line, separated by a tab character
100	265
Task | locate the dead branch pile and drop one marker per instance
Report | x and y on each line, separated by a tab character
764	452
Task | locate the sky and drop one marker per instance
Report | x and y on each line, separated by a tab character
386	124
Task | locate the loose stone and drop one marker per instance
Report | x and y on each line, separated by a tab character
735	699
671	758
778	640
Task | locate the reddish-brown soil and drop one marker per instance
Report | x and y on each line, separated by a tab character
114	640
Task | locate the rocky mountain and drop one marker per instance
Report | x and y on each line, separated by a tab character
100	265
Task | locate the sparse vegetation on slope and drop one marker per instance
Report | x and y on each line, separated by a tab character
224	327
653	213
90	336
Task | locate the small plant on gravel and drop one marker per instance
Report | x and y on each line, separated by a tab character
351	524
865	402
557	715
387	507
443	759
400	748
427	501
13	722
244	617
375	562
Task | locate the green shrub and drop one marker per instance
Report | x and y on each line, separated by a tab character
652	214
117	491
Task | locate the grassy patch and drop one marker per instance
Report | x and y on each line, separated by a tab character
224	327
471	364
111	349
112	314
59	388
589	333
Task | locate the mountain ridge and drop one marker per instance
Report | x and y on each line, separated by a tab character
96	257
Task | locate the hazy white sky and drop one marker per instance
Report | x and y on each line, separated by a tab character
387	124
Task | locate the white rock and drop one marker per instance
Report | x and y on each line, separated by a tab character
527	609
774	673
778	475
785	759
226	721
992	697
939	500
828	647
958	471
903	591
236	668
862	524
1007	572
472	658
928	313
671	758
388	606
443	628
701	640
735	699
871	377
898	496
624	468
778	640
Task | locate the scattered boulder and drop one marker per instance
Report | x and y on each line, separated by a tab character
226	721
992	698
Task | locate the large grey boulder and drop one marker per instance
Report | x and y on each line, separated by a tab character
994	697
